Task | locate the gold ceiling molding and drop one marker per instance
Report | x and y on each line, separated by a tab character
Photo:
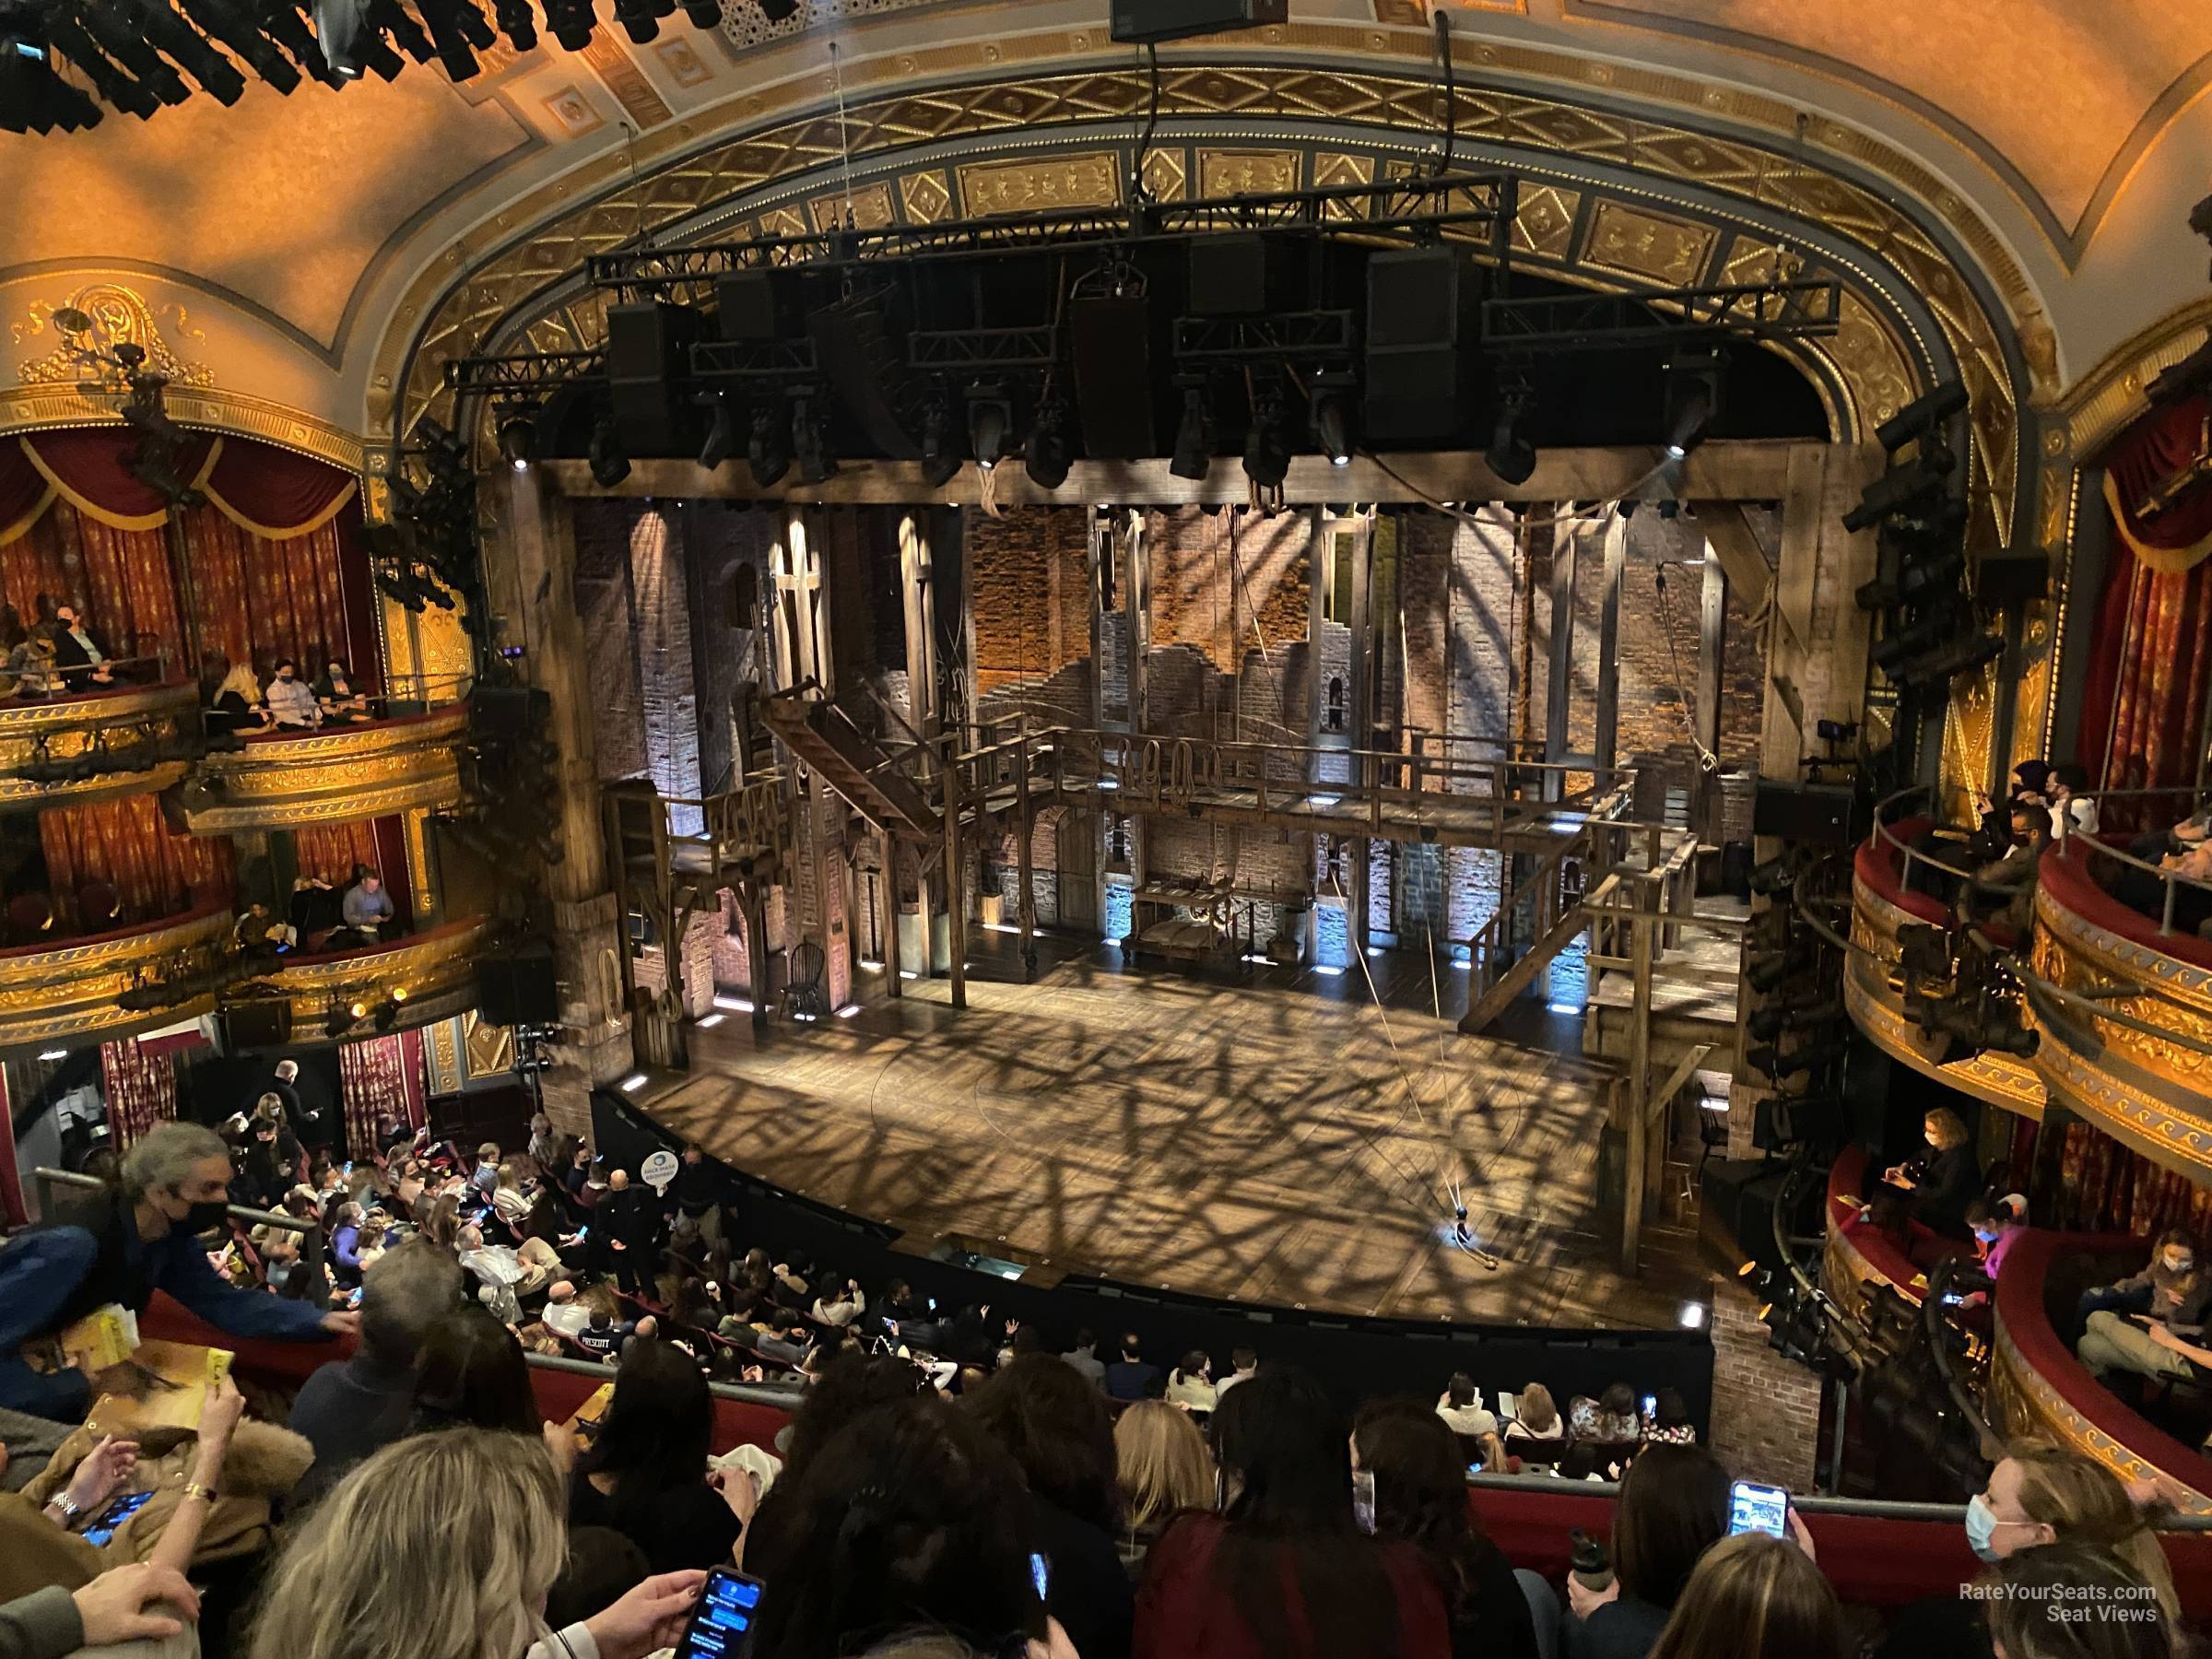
454	305
41	408
2116	393
87	327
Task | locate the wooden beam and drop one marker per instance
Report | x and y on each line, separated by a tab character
1639	1125
1678	1076
1734	471
1713	649
1729	534
1609	642
1560	688
1522	974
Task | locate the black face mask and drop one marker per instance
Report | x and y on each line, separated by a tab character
203	1218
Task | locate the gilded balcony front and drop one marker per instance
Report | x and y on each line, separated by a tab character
70	992
405	982
132	739
338	773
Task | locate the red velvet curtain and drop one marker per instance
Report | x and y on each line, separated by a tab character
261	600
141	1090
2087	1181
331	850
382	1074
11	1182
127	843
2142	720
265	551
2167	530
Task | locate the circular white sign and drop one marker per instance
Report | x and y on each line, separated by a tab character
659	1169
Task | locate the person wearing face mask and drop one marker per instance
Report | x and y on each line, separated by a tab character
2163	1337
2169	1289
1942	1177
129	1241
1996	1224
2038	1496
291	702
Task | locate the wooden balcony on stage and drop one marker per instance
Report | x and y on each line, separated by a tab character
277	779
403	981
2152	1089
1882	905
125	740
67	992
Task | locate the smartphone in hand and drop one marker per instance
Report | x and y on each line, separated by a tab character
1756	1508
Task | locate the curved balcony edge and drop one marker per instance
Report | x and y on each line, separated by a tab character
70	992
1879	908
133	740
435	972
2038	1387
336	774
1856	1258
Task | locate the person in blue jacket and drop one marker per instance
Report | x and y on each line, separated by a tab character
121	1246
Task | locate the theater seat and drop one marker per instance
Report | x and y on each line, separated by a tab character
99	906
29	918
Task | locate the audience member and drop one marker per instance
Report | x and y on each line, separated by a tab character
1611	1419
485	1178
1084	1356
449	1544
2073	812
602	1567
2170	1288
293	705
1247	1363
351	1407
2033	1588
1164	1468
1283	1571
470	1373
1191	1383
1668	1423
2038	1496
1673	1508
135	1603
698	1193
1461	1410
366	908
1754	1597
2003	890
645	1471
335	696
1413	1457
1131	1377
1536	1433
1942	1176
910	1518
1055	1428
77	652
837	1300
1996	1224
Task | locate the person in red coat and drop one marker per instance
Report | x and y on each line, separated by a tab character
1285	1571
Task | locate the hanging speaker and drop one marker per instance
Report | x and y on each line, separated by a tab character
518	990
1113	337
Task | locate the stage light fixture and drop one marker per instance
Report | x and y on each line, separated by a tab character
1769	1023
703	14
940	461
721	431
990	419
640	19
769	450
1333	396
1693	401
387	1017
1511	456
342	33
1194	438
777	11
609	465
1770	969
1047	459
1266	455
518	438
810	444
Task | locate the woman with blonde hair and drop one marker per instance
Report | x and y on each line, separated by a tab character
1535	1433
1942	1176
1754	1597
383	1553
1164	1468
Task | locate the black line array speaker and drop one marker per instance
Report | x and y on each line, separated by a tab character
1158	20
648	353
1112	335
1823	815
509	710
2013	579
746	307
861	344
1422	328
518	990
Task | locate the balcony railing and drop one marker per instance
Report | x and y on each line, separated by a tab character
119	739
80	990
332	774
393	986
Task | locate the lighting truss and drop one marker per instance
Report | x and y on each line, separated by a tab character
779	361
1410	209
525	373
956	348
1768	311
1321	337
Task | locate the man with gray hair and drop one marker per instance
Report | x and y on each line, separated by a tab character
122	1245
353	1407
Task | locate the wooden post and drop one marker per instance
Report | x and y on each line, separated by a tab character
1713	618
917	591
1025	830
1608	648
1639	1125
1559	690
897	906
956	894
755	903
1360	720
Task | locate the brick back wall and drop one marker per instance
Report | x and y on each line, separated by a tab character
603	599
1032	592
1765	1410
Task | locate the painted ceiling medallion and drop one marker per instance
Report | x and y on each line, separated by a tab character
88	326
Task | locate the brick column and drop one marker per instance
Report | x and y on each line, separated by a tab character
1765	1410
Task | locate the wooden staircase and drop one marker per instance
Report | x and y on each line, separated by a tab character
877	783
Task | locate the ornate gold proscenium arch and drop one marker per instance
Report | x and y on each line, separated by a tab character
1611	199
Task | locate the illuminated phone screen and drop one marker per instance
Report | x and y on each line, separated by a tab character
722	1625
1755	1508
103	1524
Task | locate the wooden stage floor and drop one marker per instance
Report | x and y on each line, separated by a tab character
1250	1140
